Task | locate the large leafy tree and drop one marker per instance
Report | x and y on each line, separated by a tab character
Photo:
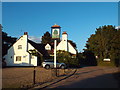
105	43
46	38
7	41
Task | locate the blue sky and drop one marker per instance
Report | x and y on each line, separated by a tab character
79	19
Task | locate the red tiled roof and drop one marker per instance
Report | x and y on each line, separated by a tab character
64	33
55	26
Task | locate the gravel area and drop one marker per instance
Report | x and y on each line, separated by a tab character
22	77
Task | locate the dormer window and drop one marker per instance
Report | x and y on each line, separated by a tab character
19	46
48	47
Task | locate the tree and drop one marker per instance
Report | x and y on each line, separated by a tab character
7	41
46	38
34	52
105	43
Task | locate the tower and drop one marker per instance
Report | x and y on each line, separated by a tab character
64	36
55	31
65	40
63	45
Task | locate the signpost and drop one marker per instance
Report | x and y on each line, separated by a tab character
55	42
55	67
55	36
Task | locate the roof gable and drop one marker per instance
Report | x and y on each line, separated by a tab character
39	47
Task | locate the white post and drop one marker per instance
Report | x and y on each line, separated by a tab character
55	43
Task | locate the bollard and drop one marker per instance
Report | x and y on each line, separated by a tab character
64	72
34	72
55	72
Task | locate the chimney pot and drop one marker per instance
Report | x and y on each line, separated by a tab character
25	33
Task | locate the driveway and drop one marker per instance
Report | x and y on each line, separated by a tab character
90	77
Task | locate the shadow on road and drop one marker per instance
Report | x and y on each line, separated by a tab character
103	81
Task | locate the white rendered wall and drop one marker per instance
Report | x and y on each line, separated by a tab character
14	51
64	37
22	41
62	46
65	45
10	58
71	49
34	59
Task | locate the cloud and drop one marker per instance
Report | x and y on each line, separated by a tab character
117	27
35	39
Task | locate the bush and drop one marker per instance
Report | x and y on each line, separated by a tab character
74	62
65	57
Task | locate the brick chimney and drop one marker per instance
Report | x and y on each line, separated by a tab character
25	33
25	38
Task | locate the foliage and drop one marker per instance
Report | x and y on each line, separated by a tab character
105	43
34	52
81	58
46	38
7	41
65	57
87	58
72	43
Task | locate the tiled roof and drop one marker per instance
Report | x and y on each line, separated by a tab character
55	26
39	47
64	33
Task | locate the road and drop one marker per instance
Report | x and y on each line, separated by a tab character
90	77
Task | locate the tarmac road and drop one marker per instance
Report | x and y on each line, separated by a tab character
90	77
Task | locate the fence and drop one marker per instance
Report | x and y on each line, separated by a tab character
28	76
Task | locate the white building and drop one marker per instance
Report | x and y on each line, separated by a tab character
18	54
64	44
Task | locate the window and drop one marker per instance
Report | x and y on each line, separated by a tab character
18	58
48	48
19	46
32	57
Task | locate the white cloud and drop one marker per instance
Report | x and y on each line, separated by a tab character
35	39
117	27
